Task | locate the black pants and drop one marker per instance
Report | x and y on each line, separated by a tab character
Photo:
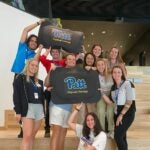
121	131
47	100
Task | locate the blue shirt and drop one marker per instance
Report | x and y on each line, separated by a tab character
66	107
23	54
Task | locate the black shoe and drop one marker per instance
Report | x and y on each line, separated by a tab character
20	135
47	134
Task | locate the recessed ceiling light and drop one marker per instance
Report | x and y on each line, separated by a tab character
130	34
103	32
92	33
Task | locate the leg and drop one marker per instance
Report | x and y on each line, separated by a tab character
110	118
101	110
28	125
62	138
36	127
120	131
47	100
55	139
91	107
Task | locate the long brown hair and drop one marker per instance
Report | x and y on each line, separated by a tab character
97	127
119	58
123	77
85	64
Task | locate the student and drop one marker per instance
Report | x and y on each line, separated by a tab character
104	108
28	100
114	58
89	63
90	133
26	50
59	113
97	51
123	96
58	62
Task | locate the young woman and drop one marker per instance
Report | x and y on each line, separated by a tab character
105	108
123	95
97	51
90	133
114	58
89	63
28	100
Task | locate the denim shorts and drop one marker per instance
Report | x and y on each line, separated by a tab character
35	111
59	116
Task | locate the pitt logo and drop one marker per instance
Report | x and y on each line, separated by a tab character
58	34
72	83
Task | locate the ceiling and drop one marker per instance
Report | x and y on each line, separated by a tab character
106	10
120	23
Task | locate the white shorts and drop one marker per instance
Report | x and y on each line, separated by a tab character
58	116
35	111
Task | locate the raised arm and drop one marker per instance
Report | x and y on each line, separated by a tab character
38	54
28	29
71	122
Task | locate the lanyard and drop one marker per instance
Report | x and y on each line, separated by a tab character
117	93
35	87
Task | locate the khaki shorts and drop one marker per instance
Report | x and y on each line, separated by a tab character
35	111
58	116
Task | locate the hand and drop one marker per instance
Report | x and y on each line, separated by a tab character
79	106
94	68
89	147
41	20
119	120
88	67
40	47
53	67
49	88
18	117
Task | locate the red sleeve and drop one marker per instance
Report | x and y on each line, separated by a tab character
45	62
62	62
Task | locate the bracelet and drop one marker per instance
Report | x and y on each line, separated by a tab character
121	114
38	23
77	109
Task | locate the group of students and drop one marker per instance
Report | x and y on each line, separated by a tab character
117	102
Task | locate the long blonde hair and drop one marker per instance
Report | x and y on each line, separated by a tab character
105	70
26	69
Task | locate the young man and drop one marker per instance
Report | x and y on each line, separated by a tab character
59	113
58	62
26	50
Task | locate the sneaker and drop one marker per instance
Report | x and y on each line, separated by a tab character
20	135
47	134
110	134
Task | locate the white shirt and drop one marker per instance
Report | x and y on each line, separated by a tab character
99	142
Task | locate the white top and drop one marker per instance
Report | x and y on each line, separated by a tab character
123	93
105	84
99	142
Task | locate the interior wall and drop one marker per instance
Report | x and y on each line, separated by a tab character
143	44
12	23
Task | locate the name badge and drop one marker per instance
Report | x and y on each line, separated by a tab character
36	96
